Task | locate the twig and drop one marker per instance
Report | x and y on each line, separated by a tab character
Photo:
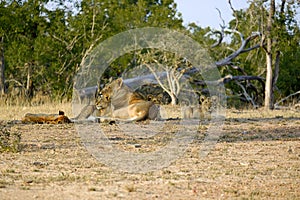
223	21
276	105
235	14
246	94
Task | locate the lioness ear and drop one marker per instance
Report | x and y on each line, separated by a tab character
120	82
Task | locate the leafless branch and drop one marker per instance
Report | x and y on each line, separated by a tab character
238	68
15	81
157	77
73	42
276	106
220	38
223	21
229	78
248	98
235	14
241	49
60	40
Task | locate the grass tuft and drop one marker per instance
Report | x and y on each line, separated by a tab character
9	141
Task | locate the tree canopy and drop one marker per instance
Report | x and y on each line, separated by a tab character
44	42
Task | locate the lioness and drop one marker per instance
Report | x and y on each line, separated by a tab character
202	111
118	101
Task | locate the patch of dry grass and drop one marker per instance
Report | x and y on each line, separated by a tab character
261	113
9	140
17	112
257	157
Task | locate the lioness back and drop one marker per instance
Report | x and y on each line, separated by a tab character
136	98
133	112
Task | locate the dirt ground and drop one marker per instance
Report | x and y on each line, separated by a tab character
257	156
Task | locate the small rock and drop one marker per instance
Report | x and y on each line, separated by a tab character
40	164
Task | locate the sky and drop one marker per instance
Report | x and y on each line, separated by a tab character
204	12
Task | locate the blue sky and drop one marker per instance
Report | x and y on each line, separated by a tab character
204	12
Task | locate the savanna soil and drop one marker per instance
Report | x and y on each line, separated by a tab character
257	156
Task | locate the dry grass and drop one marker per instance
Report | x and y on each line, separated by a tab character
262	113
17	112
257	157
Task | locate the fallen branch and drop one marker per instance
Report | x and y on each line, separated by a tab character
229	78
276	105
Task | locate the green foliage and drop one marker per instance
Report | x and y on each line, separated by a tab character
45	42
289	75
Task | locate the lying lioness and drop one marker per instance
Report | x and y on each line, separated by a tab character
118	101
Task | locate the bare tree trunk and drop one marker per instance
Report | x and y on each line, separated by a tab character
173	100
28	77
2	67
268	86
29	84
269	76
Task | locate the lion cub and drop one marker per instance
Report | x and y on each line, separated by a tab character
199	112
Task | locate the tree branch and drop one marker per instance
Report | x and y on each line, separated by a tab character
248	98
221	37
276	105
235	15
229	78
241	49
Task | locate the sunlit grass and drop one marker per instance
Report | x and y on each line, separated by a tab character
17	112
261	113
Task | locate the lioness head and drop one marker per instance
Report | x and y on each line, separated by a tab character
103	96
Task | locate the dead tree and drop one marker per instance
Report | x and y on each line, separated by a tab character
268	49
228	61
